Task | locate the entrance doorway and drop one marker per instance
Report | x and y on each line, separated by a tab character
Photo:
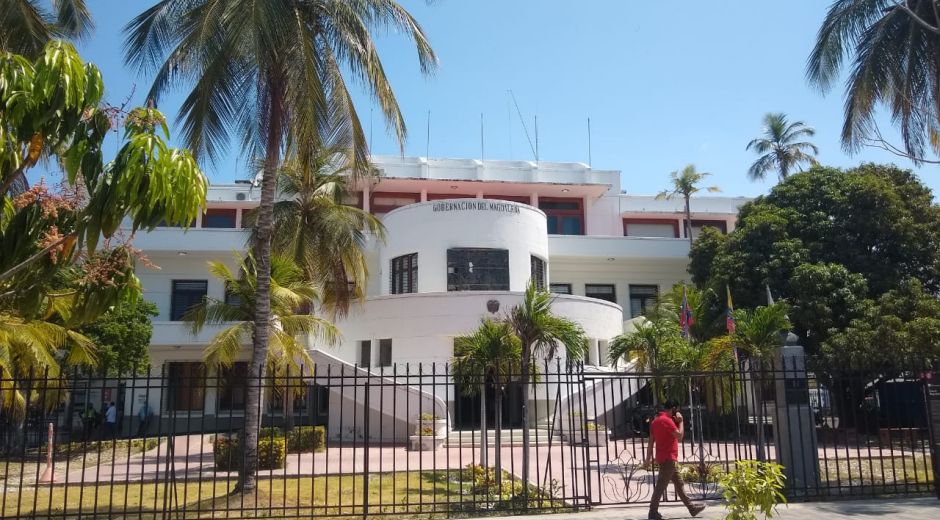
467	408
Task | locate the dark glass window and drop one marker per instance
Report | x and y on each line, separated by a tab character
231	297
405	274
219	218
186	294
537	266
560	288
186	386
642	298
385	352
473	269
563	216
232	386
365	354
604	292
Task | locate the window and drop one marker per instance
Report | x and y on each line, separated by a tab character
639	227
365	354
473	269
351	198
445	196
560	288
186	387
219	218
537	266
232	297
186	294
232	386
385	202
405	274
642	298
604	292
564	216
385	352
697	226
509	198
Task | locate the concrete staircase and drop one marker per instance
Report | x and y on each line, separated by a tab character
471	438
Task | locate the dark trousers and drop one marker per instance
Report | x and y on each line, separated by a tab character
668	472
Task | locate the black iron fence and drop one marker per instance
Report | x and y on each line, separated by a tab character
339	440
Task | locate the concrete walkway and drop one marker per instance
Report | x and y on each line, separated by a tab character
895	509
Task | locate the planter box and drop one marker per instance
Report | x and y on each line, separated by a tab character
426	442
438	425
596	437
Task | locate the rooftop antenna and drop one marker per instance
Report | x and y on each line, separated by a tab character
427	143
589	142
482	146
524	127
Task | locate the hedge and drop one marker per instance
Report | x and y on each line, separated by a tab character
301	439
272	453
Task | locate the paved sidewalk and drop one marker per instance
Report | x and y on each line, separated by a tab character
895	509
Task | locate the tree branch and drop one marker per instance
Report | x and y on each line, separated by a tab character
881	143
920	21
29	261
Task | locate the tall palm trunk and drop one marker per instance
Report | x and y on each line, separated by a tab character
758	395
524	366
688	220
247	479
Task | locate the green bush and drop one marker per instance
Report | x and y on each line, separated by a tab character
272	453
304	439
753	487
269	432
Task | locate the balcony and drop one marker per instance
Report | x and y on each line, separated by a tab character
177	333
617	247
193	240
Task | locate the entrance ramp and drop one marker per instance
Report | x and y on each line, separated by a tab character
379	407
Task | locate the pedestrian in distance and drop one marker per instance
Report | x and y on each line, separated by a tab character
143	416
666	430
110	421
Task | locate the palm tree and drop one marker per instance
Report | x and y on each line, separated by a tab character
271	71
487	358
286	355
781	147
26	26
540	333
685	183
648	345
893	47
323	236
758	334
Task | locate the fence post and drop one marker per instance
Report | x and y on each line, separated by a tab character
365	447
933	425
793	424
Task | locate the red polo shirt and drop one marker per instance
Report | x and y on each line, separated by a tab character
667	446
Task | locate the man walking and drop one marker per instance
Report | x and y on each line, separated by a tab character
110	421
666	431
144	419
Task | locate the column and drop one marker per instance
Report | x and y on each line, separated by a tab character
366	205
793	423
534	200
424	195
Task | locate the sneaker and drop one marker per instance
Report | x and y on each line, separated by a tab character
695	509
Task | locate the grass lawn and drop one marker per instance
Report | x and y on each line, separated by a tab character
882	476
424	493
69	455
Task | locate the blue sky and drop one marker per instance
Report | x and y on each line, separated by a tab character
664	83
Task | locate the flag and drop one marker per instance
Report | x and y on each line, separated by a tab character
686	320
729	313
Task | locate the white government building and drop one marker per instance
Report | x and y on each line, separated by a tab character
463	237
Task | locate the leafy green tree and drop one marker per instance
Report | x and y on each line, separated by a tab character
892	48
781	148
488	357
271	73
540	333
830	298
326	238
685	183
26	26
122	336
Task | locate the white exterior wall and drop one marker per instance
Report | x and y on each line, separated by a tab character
431	228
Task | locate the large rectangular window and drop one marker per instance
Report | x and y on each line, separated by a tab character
537	269
473	269
232	386
563	216
604	292
186	294
405	274
186	386
385	352
365	354
642	299
661	228
560	288
219	218
384	202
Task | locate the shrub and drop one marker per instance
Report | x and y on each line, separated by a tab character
428	417
753	487
592	426
272	453
269	432
693	472
304	439
427	431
